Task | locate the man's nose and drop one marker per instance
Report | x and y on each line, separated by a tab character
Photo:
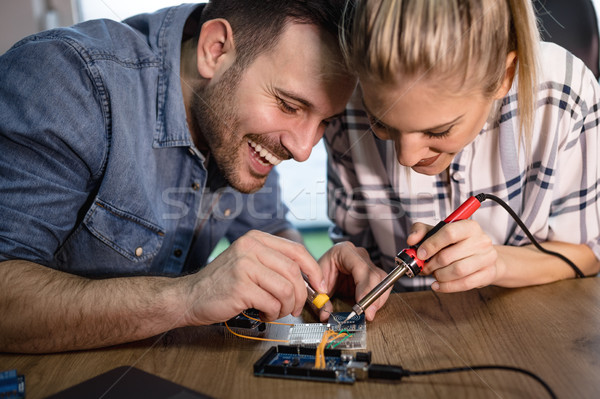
301	139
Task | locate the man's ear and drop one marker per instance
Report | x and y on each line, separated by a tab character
509	75
216	50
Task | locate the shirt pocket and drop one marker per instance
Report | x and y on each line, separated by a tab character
136	239
111	242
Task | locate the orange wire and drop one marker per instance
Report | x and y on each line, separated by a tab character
268	322
254	338
328	336
257	338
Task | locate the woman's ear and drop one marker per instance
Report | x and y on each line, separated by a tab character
216	50
509	75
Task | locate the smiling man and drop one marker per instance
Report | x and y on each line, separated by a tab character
277	107
129	149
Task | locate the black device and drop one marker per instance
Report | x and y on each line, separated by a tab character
128	382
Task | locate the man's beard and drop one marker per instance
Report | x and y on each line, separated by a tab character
215	119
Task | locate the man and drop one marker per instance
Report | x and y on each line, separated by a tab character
125	147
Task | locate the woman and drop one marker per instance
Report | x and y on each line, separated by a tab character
458	98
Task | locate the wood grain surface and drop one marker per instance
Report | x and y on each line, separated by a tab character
551	330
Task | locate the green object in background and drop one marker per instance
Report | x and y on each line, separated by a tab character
317	242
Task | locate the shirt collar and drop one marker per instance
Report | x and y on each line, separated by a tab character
165	32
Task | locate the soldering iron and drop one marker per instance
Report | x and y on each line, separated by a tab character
408	263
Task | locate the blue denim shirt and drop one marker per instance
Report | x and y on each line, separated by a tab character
98	172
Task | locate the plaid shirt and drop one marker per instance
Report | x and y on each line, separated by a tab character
373	200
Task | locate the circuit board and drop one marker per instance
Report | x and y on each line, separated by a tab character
298	362
12	386
310	334
356	323
304	334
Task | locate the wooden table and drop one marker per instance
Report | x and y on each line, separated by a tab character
551	330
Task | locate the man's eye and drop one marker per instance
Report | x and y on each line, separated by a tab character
287	108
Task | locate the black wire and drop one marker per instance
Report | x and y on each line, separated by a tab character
397	372
484	367
578	272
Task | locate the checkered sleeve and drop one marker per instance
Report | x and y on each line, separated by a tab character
575	210
346	205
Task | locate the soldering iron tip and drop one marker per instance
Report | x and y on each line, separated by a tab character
350	316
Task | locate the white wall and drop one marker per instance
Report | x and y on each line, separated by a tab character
20	18
119	9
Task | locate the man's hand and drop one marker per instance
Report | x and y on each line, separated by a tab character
348	271
46	310
461	256
258	271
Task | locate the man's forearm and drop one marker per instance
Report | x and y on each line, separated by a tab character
45	310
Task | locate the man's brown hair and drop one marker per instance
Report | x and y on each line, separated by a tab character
258	24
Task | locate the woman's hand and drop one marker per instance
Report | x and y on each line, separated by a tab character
460	256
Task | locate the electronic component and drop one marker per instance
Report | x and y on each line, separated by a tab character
341	321
306	333
298	362
12	386
310	334
247	323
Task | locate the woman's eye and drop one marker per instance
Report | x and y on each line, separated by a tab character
375	124
287	108
438	135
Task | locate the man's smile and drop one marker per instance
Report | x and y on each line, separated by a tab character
263	155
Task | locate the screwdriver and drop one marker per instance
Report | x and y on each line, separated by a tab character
407	261
319	300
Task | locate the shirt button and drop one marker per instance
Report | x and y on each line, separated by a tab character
195	186
456	176
227	212
177	253
139	251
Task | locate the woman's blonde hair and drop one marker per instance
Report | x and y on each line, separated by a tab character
466	41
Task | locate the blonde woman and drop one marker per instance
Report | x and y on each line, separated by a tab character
456	98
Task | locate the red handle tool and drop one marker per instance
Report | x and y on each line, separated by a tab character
407	261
